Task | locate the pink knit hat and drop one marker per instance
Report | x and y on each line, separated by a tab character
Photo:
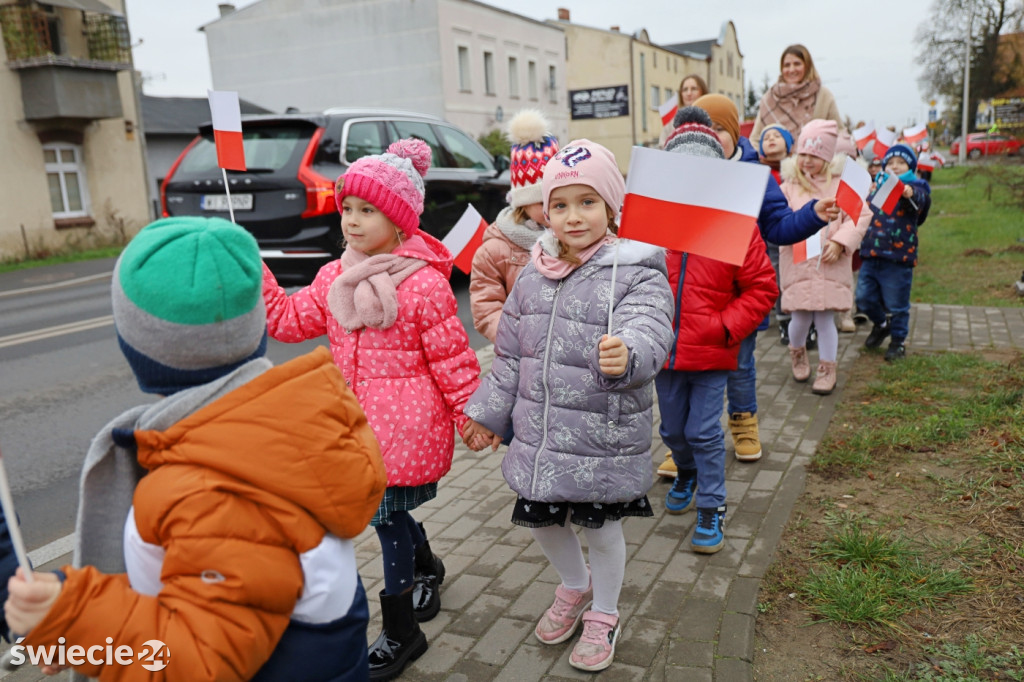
819	138
392	181
582	162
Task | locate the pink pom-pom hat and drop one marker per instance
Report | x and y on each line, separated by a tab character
392	181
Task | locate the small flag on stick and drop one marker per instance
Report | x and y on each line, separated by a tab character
888	194
915	134
884	138
864	135
668	110
465	238
687	203
808	248
854	185
926	162
227	129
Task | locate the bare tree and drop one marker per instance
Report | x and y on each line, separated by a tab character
941	41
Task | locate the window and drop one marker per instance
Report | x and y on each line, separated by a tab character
668	93
421	131
513	77
721	68
464	83
464	151
655	97
531	79
489	73
728	56
364	138
68	196
654	60
552	85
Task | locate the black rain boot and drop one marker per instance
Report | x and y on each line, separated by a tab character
400	641
427	579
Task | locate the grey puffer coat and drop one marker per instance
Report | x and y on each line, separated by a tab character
580	436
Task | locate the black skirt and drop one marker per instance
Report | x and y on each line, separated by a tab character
530	514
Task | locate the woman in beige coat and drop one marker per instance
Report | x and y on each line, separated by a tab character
797	97
816	285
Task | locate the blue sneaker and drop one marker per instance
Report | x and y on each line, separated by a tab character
709	535
681	496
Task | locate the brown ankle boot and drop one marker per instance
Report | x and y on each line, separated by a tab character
801	368
825	381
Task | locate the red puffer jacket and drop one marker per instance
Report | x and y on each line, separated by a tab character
717	305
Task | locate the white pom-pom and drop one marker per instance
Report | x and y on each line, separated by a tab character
529	125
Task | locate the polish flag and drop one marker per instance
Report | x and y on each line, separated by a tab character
668	110
926	162
854	185
888	195
915	134
884	138
465	238
864	135
227	129
688	203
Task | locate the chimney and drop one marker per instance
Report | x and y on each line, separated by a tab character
225	8
563	14
615	28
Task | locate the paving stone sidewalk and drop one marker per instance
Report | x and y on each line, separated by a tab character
687	617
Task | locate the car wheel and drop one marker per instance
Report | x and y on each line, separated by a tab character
974	153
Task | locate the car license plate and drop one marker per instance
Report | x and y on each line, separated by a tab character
219	202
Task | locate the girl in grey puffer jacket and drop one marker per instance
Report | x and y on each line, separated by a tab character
578	394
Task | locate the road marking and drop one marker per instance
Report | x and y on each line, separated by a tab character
59	330
56	285
53	550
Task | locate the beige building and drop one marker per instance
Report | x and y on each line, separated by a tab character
617	81
71	161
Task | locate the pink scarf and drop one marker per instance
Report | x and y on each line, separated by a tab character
553	267
365	294
791	105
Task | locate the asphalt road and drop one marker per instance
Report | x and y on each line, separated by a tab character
62	377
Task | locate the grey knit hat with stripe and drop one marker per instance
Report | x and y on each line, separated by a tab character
693	135
188	302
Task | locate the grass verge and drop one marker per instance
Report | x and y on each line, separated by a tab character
69	257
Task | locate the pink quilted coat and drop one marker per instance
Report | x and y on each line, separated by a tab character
413	378
808	285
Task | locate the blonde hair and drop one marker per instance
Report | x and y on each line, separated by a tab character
563	250
519	214
800	52
804	180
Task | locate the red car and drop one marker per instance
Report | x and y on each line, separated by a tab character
986	144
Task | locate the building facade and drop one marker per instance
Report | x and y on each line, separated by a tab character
723	62
71	157
467	62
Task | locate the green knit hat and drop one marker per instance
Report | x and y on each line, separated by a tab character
188	303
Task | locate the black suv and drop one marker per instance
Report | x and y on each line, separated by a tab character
286	197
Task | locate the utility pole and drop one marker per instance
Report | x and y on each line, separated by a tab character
967	86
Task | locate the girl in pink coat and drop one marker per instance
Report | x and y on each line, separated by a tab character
816	274
390	315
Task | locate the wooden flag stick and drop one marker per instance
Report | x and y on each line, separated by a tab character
231	209
7	502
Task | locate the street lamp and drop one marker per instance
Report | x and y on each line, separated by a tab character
967	87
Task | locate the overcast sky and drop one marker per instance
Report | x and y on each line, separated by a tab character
863	50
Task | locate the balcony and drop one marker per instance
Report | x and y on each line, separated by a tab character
68	54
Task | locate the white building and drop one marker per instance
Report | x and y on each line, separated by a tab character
470	63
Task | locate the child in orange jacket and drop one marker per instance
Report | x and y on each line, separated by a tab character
218	520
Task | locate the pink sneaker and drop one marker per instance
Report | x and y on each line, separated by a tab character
560	621
596	648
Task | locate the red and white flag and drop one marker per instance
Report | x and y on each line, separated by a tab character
227	129
864	135
688	203
465	238
888	195
915	134
884	138
854	186
926	162
668	110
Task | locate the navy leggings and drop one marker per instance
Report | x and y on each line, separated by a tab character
398	542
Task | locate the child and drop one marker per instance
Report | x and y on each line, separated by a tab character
580	397
719	307
775	145
889	253
507	242
390	315
229	502
778	224
815	287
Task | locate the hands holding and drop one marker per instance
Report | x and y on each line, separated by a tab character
29	602
613	356
476	436
908	192
833	250
826	209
